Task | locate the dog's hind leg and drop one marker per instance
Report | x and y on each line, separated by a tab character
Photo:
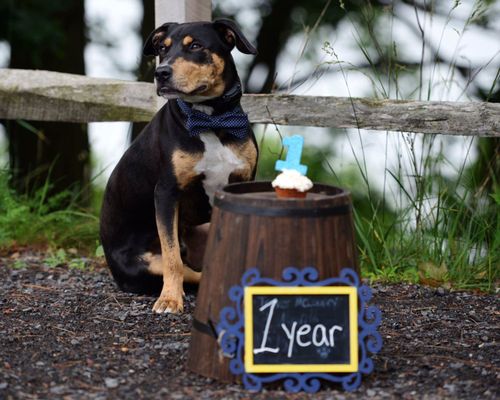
195	239
155	267
191	276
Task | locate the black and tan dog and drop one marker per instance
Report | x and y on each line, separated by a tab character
164	184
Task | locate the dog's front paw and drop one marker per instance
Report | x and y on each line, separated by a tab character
168	304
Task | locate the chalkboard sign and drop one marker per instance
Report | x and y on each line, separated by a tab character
301	329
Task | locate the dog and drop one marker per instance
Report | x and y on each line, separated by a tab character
163	186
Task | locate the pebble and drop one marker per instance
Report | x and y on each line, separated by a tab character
59	389
111	383
176	345
123	316
3	385
450	387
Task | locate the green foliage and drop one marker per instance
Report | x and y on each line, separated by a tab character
77	263
99	251
62	257
43	17
55	259
39	220
439	230
19	264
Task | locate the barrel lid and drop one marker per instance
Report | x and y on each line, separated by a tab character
259	198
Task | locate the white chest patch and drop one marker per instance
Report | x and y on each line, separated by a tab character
217	164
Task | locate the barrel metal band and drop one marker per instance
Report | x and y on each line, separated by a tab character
207	329
282	212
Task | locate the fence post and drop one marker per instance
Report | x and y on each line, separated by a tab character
182	11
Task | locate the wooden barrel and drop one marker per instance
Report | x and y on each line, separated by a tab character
251	227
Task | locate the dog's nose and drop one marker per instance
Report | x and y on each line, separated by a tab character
163	73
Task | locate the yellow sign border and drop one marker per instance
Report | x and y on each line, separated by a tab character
250	291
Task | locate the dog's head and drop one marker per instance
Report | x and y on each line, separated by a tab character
195	58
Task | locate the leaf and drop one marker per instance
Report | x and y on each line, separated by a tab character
431	274
77	263
54	260
19	264
99	251
481	275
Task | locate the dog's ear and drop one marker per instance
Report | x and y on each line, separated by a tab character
149	46
232	36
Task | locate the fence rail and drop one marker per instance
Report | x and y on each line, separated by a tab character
53	96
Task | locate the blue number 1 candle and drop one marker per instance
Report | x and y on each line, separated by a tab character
292	161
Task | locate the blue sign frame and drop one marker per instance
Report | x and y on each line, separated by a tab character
231	337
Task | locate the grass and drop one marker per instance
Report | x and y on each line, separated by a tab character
40	220
444	230
423	224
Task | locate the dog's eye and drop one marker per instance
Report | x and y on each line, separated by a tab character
195	46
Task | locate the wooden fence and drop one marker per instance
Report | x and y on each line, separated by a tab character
52	96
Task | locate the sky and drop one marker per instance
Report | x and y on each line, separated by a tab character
121	19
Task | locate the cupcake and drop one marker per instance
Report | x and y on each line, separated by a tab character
291	184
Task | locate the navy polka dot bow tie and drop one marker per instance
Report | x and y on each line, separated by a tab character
234	122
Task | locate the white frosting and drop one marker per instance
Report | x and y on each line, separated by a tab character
292	179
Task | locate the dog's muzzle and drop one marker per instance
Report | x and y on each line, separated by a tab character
163	74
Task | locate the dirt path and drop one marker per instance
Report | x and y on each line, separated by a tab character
71	334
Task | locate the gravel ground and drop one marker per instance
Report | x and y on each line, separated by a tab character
68	333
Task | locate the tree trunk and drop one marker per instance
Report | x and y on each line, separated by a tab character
52	152
273	34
